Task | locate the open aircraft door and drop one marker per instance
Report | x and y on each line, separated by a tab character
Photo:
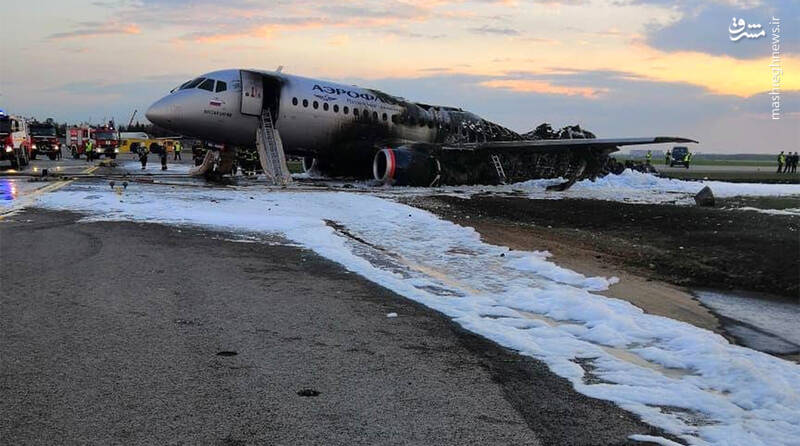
252	93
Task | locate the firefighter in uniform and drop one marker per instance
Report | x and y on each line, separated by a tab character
687	159
667	156
177	149
781	161
89	148
648	158
142	151
164	157
252	162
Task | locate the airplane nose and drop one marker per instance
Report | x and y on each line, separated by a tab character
160	113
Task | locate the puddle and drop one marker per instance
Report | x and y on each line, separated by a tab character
767	325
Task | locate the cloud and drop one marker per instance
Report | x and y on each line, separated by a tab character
703	27
94	29
486	29
543	87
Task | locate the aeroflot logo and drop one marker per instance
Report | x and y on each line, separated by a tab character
350	93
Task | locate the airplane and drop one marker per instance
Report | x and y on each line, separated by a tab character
348	131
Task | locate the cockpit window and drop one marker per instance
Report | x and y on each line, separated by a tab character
192	84
221	86
207	84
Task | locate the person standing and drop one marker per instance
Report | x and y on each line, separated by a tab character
648	158
667	156
141	150
795	159
687	159
177	148
164	157
89	148
781	161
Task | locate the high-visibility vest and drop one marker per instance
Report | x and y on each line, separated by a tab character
649	155
89	145
686	157
178	147
782	159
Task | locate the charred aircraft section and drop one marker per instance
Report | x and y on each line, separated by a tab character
348	131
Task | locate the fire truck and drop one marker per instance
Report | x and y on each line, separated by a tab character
15	141
105	138
45	139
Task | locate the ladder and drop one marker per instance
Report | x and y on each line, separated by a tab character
501	174
270	151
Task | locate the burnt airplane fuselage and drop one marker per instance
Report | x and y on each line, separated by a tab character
345	130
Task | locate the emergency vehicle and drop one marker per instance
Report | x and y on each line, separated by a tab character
45	139
15	141
105	138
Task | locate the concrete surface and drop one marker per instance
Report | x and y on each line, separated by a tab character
117	333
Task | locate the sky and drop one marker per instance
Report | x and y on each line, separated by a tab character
616	67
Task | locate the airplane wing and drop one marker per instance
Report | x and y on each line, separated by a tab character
557	145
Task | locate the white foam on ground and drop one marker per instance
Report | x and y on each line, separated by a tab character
725	394
787	211
154	166
629	187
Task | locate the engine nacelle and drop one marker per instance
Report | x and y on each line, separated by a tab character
310	164
405	167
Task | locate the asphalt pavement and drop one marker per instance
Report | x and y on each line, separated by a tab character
131	333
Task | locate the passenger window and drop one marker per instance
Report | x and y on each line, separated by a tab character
335	108
375	115
346	110
394	119
316	105
294	101
207	84
305	102
325	106
355	112
384	117
221	86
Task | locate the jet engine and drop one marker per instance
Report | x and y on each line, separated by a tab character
405	167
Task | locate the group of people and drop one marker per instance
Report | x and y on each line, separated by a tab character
787	163
143	151
249	162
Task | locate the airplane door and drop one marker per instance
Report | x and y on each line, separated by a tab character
252	93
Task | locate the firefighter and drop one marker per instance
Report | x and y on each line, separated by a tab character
177	148
164	157
252	162
89	148
795	159
667	156
781	161
142	151
687	159
648	158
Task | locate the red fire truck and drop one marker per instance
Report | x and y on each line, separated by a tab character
45	139
105	139
15	141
